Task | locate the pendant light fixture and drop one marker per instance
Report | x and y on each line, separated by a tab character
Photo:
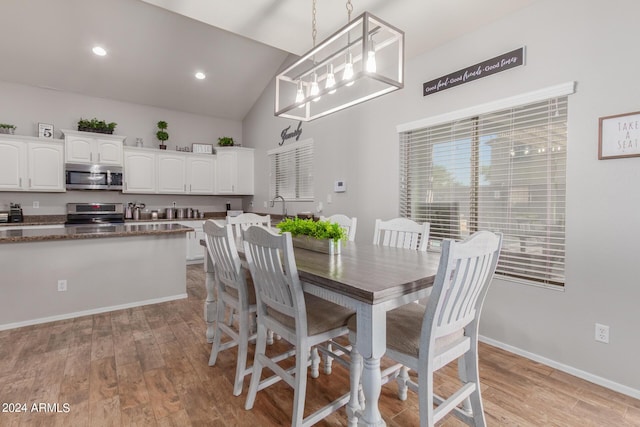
344	70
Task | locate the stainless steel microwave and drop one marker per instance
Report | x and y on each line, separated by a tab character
93	177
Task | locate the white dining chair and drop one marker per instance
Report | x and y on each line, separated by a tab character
303	320
348	224
401	233
243	221
234	291
426	339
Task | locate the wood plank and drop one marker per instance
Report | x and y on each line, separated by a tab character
131	386
103	380
162	395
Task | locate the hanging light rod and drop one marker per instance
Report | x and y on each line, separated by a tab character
370	47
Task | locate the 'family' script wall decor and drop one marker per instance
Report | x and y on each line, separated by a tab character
486	68
619	136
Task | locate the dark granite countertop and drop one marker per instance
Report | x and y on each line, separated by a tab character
72	232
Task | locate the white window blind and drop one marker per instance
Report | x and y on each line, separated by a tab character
292	171
501	171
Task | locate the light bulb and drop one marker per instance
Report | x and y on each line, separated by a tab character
348	69
371	61
99	50
331	80
299	94
314	88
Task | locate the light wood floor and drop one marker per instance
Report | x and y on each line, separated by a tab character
147	366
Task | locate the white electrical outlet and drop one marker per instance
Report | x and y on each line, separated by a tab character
329	199
36	204
265	204
602	333
62	285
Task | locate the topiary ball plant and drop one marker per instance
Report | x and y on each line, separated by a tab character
162	134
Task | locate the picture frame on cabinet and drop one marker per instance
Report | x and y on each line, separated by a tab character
45	130
202	148
619	136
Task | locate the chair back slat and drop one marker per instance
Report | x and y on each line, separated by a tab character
222	249
463	278
401	233
348	224
245	220
275	275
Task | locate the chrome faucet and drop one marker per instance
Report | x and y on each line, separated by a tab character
284	206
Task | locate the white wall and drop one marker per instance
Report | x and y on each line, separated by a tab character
592	43
26	106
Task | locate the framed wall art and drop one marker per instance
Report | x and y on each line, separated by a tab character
45	130
202	148
619	136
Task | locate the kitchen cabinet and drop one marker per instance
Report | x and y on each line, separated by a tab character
201	174
93	148
45	166
195	252
139	171
234	171
29	164
148	171
172	173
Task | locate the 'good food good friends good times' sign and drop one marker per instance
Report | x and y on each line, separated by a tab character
486	68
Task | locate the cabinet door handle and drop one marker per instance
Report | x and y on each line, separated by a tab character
29	182
126	185
98	157
185	187
91	157
20	182
233	188
190	185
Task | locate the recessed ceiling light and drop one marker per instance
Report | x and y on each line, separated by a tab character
99	51
200	75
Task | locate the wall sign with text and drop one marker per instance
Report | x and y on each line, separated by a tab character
486	68
619	136
285	134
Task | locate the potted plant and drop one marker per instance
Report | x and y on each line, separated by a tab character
5	128
96	126
162	134
319	236
225	141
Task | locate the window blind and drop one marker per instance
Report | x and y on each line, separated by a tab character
291	174
502	171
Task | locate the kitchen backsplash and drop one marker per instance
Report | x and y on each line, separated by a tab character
56	203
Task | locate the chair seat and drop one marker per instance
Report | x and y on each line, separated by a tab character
404	325
322	315
251	291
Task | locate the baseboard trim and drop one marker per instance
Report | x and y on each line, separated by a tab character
90	312
620	388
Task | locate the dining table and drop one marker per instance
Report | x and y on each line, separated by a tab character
371	280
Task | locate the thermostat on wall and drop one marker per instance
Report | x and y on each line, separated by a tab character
340	186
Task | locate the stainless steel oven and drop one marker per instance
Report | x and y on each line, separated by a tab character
94	213
93	177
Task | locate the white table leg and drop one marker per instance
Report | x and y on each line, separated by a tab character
371	342
210	302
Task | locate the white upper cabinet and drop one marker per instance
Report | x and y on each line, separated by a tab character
234	171
93	148
27	164
46	166
201	174
12	165
149	171
172	173
139	171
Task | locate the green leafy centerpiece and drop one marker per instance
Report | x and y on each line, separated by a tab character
5	128
319	236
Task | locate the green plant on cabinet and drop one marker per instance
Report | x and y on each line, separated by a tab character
5	128
96	126
225	141
162	134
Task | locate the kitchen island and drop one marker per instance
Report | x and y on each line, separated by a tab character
57	273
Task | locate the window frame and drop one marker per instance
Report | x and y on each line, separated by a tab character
301	191
469	114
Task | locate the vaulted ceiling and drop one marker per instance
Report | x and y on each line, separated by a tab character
156	46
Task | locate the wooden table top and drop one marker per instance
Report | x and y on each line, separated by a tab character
368	272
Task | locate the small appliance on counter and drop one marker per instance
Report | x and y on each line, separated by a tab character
4	216
234	212
15	213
